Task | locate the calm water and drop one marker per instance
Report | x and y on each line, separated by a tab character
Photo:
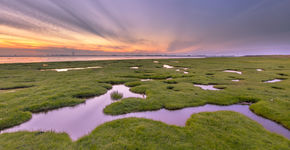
273	81
207	87
82	119
233	71
75	58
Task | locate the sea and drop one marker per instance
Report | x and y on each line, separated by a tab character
6	60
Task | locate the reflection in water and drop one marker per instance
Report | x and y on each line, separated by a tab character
82	119
167	66
207	87
235	80
76	121
134	67
273	81
145	80
67	69
233	71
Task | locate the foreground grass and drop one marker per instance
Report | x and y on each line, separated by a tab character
218	130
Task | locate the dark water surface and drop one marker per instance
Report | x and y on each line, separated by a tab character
82	119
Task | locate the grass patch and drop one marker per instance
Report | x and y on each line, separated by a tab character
209	74
130	105
170	81
116	95
133	84
248	99
46	106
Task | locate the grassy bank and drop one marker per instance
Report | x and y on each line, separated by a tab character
219	130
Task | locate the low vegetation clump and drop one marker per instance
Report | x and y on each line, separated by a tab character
116	95
133	84
209	74
171	82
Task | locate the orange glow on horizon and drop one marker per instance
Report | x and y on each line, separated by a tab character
12	38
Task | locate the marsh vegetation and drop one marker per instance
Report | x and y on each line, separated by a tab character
39	91
115	95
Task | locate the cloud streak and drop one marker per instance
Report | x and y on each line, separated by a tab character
153	26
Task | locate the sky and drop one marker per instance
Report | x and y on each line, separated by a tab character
197	27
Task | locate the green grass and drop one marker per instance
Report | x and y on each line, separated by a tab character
25	89
219	130
35	141
115	95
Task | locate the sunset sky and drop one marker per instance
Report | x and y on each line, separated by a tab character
198	27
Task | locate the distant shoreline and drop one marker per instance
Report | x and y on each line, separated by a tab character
34	59
66	58
181	56
106	56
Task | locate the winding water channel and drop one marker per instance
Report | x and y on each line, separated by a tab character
82	119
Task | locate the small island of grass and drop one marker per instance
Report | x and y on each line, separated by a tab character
116	95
